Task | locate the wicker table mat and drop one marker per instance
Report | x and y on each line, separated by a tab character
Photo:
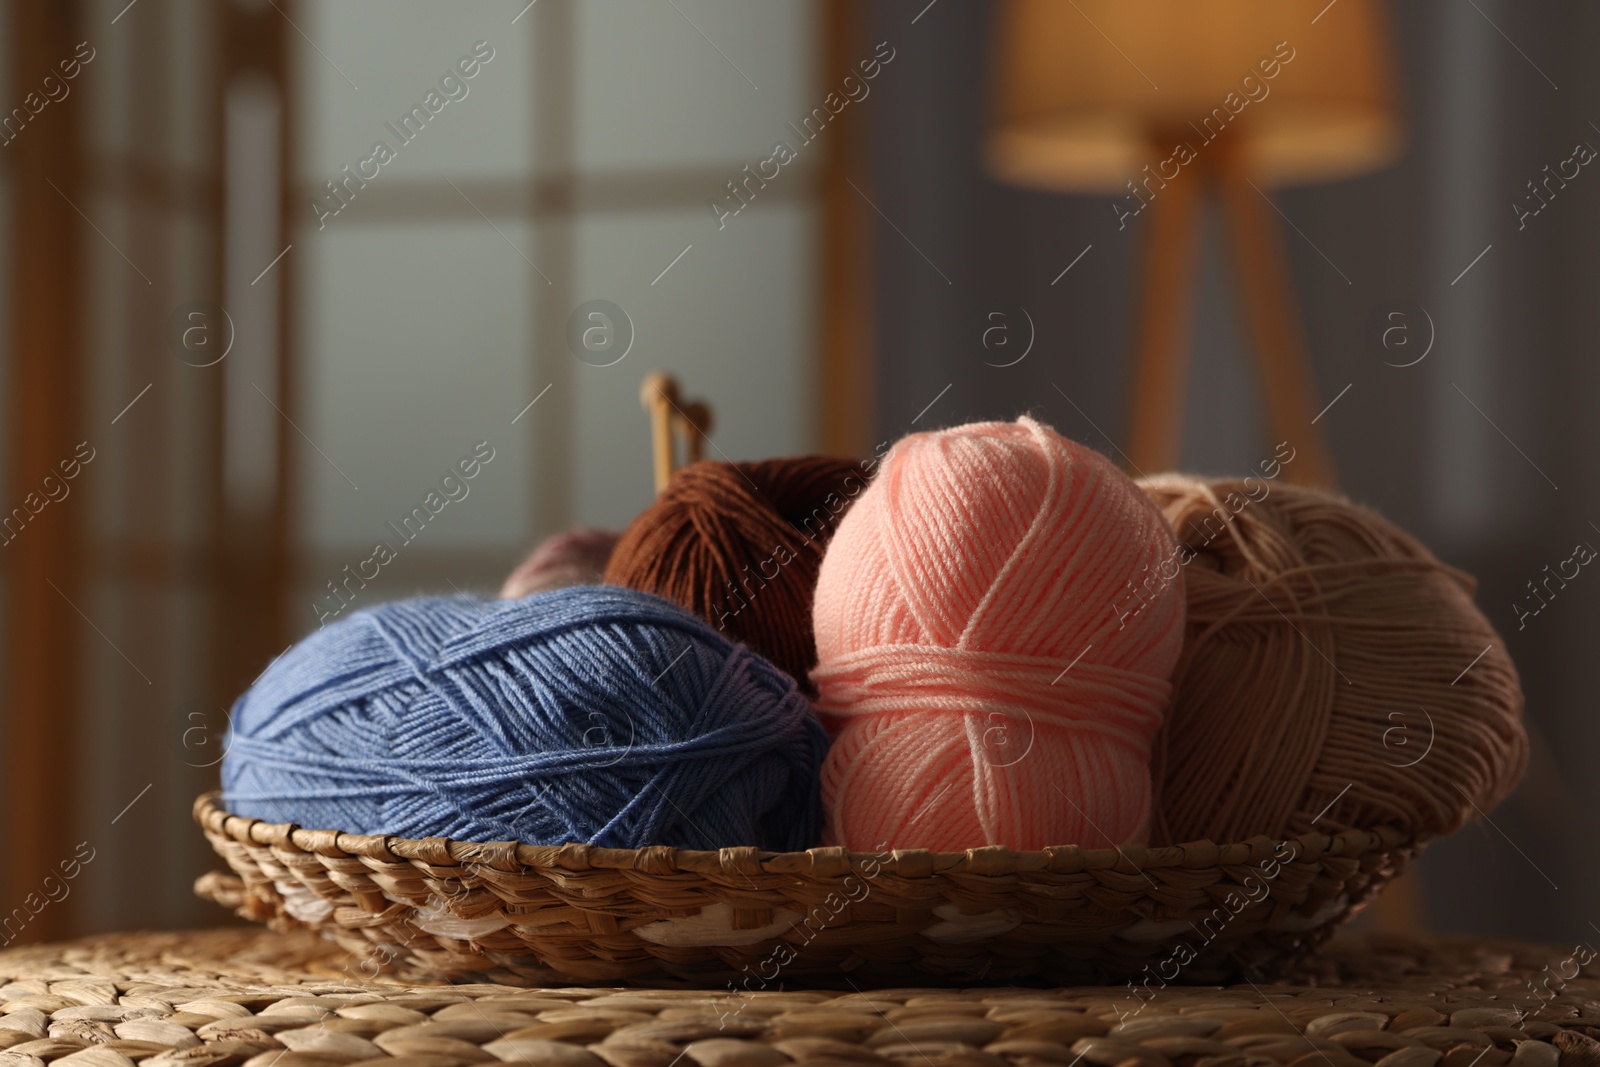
238	996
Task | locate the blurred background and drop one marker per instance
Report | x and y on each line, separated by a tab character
255	343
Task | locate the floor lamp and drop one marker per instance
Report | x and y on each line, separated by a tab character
1161	102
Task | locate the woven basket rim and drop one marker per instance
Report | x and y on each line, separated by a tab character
992	860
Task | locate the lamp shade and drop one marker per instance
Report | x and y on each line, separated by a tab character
1087	92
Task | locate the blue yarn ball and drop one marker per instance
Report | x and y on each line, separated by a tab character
594	714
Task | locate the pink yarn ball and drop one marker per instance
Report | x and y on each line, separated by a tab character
996	620
571	557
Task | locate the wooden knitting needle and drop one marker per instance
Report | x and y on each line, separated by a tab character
659	396
693	423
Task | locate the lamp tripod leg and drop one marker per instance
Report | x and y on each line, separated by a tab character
1165	304
1274	318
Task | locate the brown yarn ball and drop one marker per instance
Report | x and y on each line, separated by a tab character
1321	685
739	545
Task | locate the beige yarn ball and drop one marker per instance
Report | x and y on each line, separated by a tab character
1335	675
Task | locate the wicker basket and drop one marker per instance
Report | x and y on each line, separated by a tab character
528	914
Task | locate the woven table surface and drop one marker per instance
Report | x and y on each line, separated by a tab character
239	996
